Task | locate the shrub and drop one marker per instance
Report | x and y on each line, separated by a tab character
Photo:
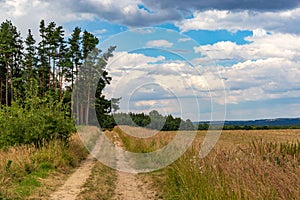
36	120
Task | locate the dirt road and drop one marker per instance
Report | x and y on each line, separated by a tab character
129	186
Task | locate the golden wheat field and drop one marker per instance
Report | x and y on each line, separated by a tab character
245	164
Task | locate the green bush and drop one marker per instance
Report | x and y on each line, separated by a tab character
36	120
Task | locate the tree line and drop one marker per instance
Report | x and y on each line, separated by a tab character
39	77
52	66
206	126
153	120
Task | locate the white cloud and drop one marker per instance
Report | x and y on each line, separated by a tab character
27	14
184	39
100	31
139	78
261	73
159	43
283	21
265	69
262	46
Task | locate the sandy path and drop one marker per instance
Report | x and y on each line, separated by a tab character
130	186
73	186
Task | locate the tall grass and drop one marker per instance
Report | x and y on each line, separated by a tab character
22	166
260	170
143	145
240	167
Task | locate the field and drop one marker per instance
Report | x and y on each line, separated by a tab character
262	164
253	164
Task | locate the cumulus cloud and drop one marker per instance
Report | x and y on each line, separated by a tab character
159	43
27	14
223	5
272	78
265	69
145	82
282	21
261	46
209	14
184	39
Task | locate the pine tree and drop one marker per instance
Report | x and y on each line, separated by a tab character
76	58
90	55
30	62
42	57
11	46
76	55
50	51
64	66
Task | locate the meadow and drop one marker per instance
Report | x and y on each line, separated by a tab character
253	164
245	164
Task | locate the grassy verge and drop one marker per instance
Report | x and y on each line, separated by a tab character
100	185
23	168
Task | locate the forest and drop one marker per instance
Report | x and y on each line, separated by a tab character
37	80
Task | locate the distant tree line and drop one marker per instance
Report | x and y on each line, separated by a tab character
153	120
206	126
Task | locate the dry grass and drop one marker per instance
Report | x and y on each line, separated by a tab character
147	144
100	185
23	168
253	164
243	165
260	171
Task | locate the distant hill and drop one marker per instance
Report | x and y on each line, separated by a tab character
260	122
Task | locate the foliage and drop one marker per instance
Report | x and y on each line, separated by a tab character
36	120
154	120
55	65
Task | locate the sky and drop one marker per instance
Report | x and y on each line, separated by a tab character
203	60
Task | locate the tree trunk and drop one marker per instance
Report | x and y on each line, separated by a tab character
6	84
88	104
11	85
54	71
77	97
0	92
81	113
43	80
60	86
49	72
77	108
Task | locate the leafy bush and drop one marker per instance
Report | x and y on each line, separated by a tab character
36	120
